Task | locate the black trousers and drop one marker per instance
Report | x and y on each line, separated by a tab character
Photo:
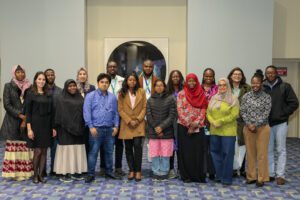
134	153
209	165
119	146
172	159
86	140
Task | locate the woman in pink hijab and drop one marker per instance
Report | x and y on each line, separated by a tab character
17	162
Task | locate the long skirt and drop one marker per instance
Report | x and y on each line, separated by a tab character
17	161
191	155
70	159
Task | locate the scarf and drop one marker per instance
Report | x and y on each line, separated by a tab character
70	107
195	96
227	97
82	87
23	84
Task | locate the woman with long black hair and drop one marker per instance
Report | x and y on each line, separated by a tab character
39	119
132	109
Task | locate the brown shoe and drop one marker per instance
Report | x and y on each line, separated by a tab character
280	181
138	176
130	176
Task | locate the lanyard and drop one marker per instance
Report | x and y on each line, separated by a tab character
113	86
148	85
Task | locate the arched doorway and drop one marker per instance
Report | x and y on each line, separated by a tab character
130	56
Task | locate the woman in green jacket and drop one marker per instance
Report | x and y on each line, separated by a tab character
222	112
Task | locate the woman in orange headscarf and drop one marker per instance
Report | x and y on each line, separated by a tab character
191	107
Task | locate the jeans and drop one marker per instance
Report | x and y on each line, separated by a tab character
54	142
278	134
222	152
119	146
160	165
106	139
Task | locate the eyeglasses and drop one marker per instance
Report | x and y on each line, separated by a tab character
222	85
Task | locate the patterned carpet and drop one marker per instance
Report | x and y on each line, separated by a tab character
151	189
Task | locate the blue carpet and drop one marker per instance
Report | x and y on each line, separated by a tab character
151	189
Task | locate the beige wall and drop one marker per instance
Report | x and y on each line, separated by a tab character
135	18
286	45
286	41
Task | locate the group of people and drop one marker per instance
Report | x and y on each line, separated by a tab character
200	124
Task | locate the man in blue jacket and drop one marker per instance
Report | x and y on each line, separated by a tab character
100	112
284	103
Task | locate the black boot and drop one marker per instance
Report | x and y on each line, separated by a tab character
35	179
42	179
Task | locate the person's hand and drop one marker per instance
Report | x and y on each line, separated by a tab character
133	123
21	116
94	132
160	134
115	131
30	134
216	124
158	130
193	125
23	124
54	133
252	128
190	131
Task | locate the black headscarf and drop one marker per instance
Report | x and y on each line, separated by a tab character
69	111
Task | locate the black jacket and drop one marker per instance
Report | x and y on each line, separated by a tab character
284	101
10	129
55	92
161	111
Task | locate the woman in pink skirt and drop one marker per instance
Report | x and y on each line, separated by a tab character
161	112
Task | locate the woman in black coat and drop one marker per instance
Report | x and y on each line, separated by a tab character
161	112
17	162
70	159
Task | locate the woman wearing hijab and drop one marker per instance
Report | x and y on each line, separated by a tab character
222	112
82	82
191	107
17	161
70	160
84	88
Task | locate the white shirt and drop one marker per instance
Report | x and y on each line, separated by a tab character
116	85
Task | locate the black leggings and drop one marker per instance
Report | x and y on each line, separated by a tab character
134	153
39	160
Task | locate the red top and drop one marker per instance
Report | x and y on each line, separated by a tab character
188	113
